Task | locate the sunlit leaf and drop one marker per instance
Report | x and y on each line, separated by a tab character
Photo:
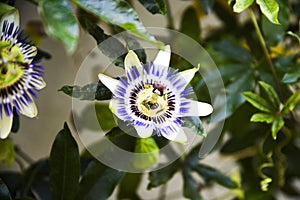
93	91
98	181
241	5
146	153
212	174
258	102
105	117
262	117
129	186
155	6
271	93
294	35
292	101
119	13
4	192
163	175
7	152
60	22
270	9
65	166
278	123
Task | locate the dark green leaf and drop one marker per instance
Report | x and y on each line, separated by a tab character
60	22
163	175
291	77
190	24
272	95
98	181
207	5
111	47
129	186
191	188
278	123
93	91
262	117
65	166
4	192
292	101
155	6
270	9
7	152
241	5
211	174
119	13
258	102
195	124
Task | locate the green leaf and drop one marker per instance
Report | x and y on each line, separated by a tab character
272	95
211	174
278	123
93	91
163	175
189	24
195	124
64	166
4	192
119	13
190	186
129	186
7	152
98	182
294	35
270	9
105	117
155	6
291	77
241	5
292	101
258	102
262	117
207	5
146	153
60	22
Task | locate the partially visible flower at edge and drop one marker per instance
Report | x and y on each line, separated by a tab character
154	97
20	76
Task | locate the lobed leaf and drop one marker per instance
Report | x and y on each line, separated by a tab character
195	124
60	22
241	5
155	6
64	166
270	9
292	101
272	95
118	13
190	186
258	102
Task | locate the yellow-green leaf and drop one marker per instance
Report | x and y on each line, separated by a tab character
241	5
262	117
276	126
258	102
270	9
7	152
291	102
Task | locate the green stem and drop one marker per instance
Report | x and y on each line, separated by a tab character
266	52
23	155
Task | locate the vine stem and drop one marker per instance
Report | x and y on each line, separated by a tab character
266	52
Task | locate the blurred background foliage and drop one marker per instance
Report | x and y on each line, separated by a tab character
256	48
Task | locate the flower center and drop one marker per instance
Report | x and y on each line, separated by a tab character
152	100
11	64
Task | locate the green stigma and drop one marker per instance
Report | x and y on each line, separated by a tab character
11	64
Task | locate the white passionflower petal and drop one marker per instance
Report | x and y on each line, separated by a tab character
132	59
189	74
180	136
5	125
163	57
196	108
144	132
29	110
109	82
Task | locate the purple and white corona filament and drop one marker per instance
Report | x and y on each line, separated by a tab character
20	77
154	97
